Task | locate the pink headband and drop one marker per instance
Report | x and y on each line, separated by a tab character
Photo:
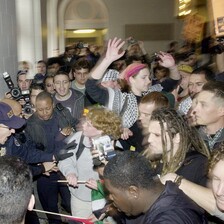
133	69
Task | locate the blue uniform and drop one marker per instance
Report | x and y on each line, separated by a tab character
26	151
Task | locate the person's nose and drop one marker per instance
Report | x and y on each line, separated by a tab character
150	138
149	81
194	89
220	189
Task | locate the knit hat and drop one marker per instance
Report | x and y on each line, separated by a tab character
8	118
110	75
185	68
133	69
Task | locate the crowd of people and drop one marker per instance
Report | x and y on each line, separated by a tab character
115	136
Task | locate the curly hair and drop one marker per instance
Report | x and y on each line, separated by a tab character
216	156
105	120
173	123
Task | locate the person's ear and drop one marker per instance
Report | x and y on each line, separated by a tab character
176	138
31	203
221	111
133	192
131	80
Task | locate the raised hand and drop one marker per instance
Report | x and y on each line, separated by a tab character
166	60
114	49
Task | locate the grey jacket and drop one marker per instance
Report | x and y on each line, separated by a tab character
82	168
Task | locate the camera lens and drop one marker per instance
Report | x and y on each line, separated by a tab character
15	92
27	109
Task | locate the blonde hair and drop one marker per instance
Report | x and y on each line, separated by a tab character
105	120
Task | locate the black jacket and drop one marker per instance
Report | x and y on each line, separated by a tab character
172	207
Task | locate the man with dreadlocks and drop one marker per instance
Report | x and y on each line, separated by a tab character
174	146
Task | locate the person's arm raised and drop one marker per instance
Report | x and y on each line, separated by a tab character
201	195
113	53
167	61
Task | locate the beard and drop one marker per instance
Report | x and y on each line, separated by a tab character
151	155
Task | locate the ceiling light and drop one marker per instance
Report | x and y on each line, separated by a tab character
84	31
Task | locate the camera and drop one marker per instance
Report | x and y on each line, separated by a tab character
155	58
81	45
132	41
105	148
27	107
17	94
14	91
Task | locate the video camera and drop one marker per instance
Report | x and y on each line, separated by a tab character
17	94
105	148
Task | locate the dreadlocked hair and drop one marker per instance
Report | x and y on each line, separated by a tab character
172	122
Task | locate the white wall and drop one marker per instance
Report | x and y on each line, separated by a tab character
8	50
29	37
120	13
123	12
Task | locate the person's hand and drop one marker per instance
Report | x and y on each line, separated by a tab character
50	166
8	95
166	60
22	102
126	133
97	156
168	177
72	179
92	184
141	45
114	50
93	218
67	131
26	116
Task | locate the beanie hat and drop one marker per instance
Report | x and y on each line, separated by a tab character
110	75
185	68
8	118
133	69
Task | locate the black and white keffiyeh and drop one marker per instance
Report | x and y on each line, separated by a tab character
125	105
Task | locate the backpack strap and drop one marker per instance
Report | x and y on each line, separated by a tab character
80	148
